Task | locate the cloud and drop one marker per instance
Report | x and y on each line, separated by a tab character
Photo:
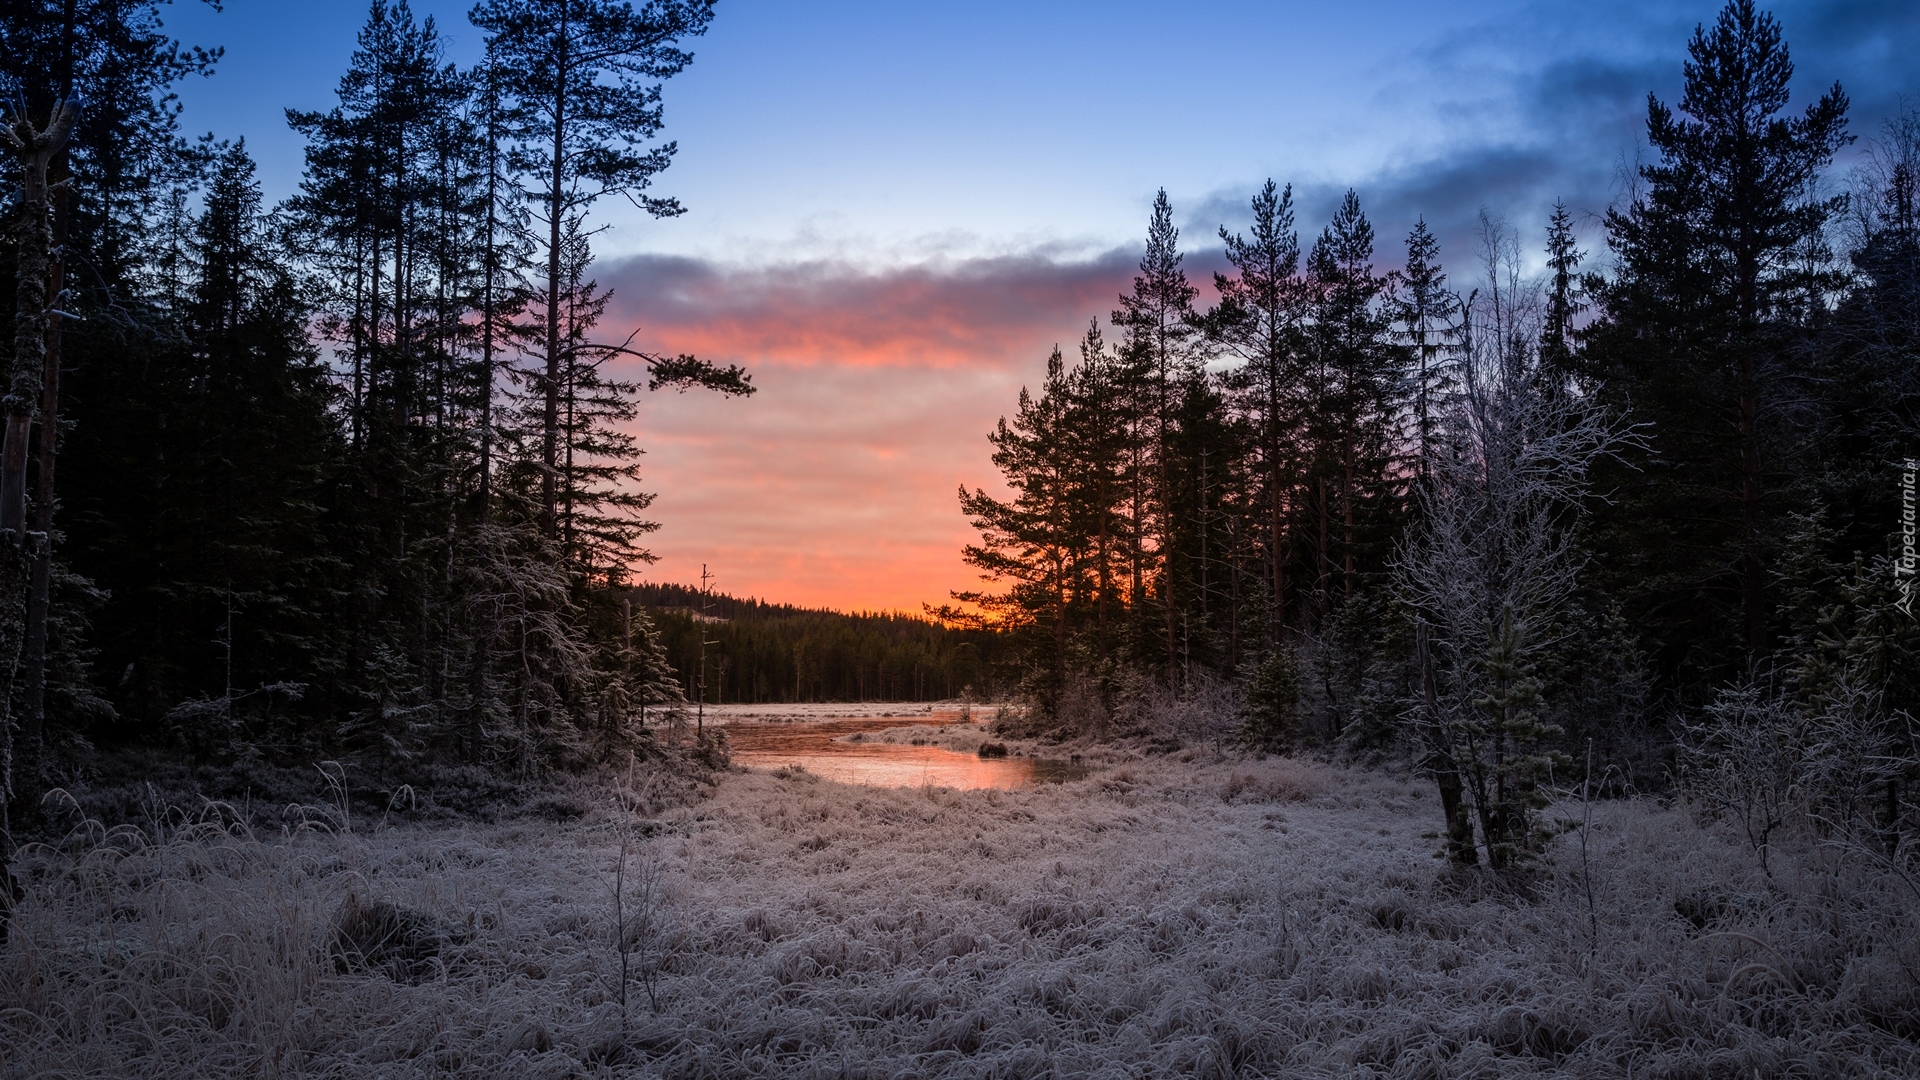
834	484
1545	103
961	313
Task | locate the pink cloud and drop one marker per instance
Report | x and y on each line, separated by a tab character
975	312
834	485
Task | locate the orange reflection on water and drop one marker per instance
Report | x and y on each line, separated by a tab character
813	746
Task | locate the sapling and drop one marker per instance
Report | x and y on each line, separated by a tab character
1586	865
1746	761
637	899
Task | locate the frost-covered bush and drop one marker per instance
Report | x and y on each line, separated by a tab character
1836	765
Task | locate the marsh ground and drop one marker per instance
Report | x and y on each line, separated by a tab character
1200	917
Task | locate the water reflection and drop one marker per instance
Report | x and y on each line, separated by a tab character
817	748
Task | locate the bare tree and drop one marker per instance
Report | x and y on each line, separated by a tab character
1494	562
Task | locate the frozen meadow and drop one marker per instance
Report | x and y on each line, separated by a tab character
1213	916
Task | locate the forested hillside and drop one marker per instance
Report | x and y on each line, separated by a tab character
762	652
1639	504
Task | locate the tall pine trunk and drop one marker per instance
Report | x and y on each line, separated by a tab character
40	574
35	150
556	205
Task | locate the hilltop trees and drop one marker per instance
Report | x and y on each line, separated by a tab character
780	653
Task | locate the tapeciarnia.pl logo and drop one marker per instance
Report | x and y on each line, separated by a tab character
1903	567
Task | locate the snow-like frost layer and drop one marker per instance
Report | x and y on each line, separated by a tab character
1161	918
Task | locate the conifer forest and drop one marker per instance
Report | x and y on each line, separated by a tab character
1386	659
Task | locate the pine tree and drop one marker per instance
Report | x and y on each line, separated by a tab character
1032	545
1260	319
395	211
1564	301
1159	320
579	77
1718	257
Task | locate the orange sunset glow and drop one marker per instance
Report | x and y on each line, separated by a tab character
834	486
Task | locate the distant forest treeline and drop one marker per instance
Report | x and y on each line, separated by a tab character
780	653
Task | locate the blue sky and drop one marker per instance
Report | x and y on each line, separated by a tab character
890	133
896	209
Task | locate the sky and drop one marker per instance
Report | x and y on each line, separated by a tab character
895	210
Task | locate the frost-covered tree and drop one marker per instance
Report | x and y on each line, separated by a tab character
1490	567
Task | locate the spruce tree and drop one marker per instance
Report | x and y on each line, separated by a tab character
1564	301
1353	391
1431	325
197	480
1871	396
1101	434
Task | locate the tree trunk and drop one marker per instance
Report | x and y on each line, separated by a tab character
1753	571
35	151
40	576
1276	549
556	205
1446	768
1166	526
1324	552
1346	541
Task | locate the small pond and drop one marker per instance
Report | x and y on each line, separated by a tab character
822	748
